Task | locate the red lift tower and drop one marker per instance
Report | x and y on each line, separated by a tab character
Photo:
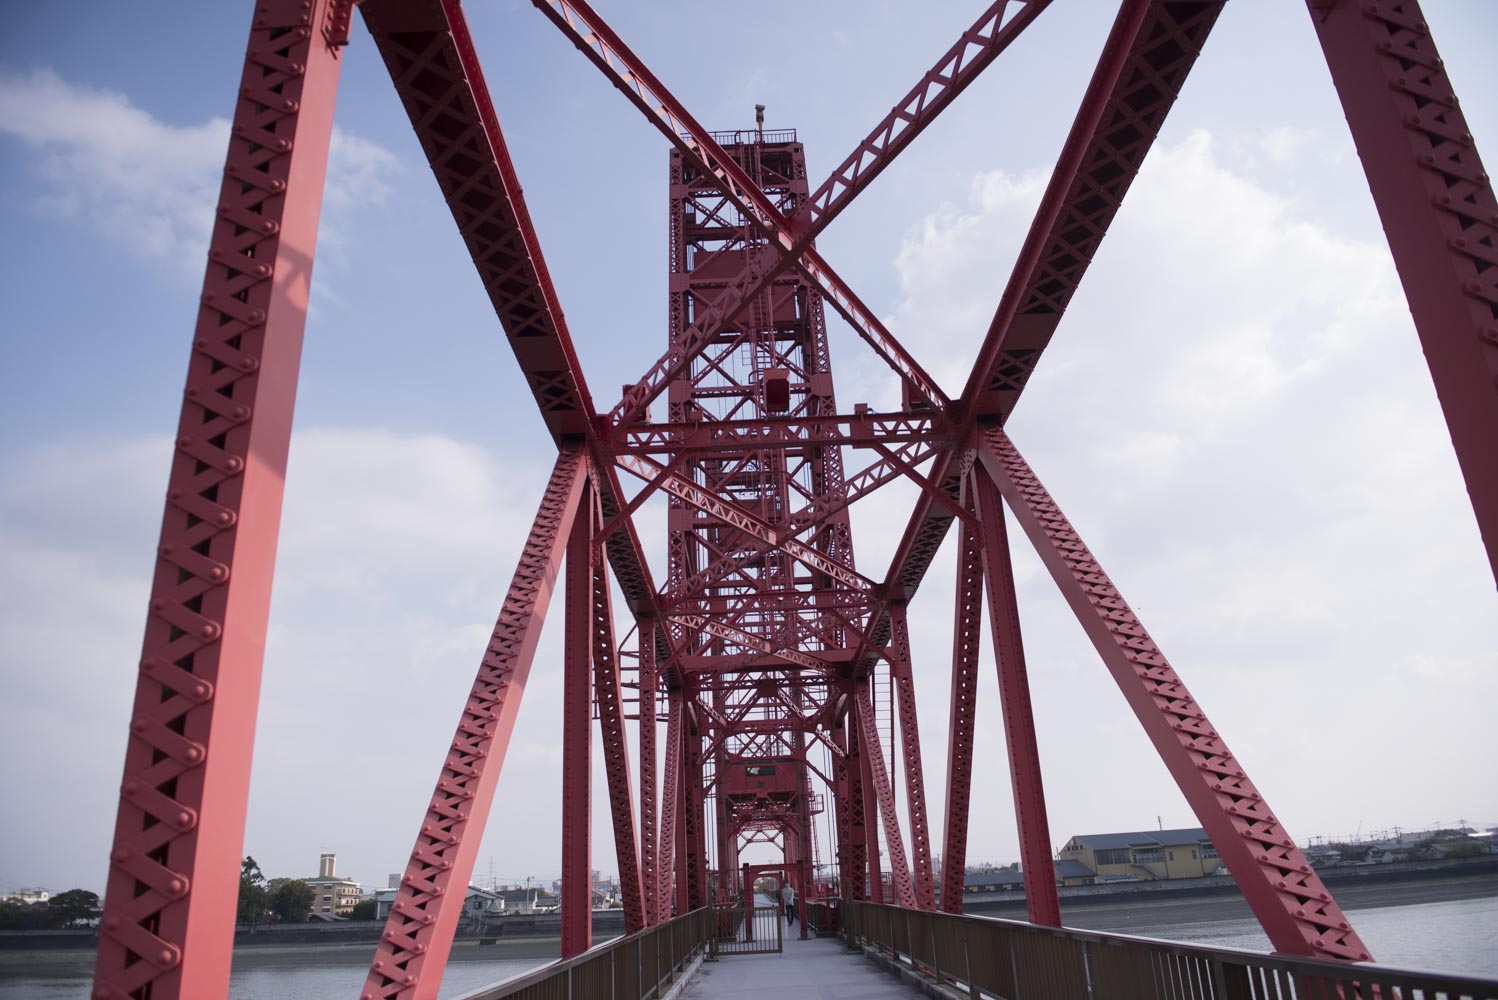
767	655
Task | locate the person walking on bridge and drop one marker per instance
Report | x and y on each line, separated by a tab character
788	897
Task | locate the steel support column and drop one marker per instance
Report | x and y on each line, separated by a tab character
1292	904
910	744
424	916
1439	214
167	927
967	639
664	888
1041	901
884	795
693	844
610	701
577	742
649	847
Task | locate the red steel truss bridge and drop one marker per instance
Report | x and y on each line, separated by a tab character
767	677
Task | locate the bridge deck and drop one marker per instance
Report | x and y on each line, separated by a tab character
815	969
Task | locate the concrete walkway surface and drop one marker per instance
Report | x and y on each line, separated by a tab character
815	969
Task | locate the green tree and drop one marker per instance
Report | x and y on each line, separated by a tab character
18	916
290	900
74	906
365	909
253	896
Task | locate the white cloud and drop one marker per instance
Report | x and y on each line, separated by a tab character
395	553
1237	417
108	165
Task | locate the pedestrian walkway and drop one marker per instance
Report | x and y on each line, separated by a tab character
815	969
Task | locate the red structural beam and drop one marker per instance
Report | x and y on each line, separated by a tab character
429	53
577	741
910	744
605	49
649	827
167	927
1028	790
884	795
967	642
1439	214
727	437
1144	64
418	934
609	698
959	66
1290	900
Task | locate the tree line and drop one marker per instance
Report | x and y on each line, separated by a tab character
74	908
280	900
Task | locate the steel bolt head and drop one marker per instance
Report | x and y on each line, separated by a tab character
119	856
112	923
234	464
130	787
176	886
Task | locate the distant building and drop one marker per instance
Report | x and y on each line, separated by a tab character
1145	855
522	900
29	896
1067	872
331	895
478	905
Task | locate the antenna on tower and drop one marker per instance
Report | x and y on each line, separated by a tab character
759	121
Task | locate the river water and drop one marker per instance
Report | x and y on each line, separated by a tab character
1458	937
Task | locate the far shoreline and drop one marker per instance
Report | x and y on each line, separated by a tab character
1123	910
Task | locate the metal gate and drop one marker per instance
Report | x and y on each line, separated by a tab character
747	930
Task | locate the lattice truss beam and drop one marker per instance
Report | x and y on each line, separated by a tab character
776	666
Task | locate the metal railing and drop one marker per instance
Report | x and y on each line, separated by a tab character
988	957
822	917
636	967
746	930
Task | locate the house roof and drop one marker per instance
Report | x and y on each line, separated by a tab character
1143	838
1064	869
1071	868
991	878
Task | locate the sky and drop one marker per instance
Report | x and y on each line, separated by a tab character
1235	414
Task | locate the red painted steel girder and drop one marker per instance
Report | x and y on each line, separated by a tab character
649	830
167	927
1439	214
1030	820
967	639
910	743
959	66
728	437
430	55
419	931
606	50
610	701
577	740
1293	906
1143	66
884	794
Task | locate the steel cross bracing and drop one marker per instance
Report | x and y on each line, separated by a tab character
765	642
